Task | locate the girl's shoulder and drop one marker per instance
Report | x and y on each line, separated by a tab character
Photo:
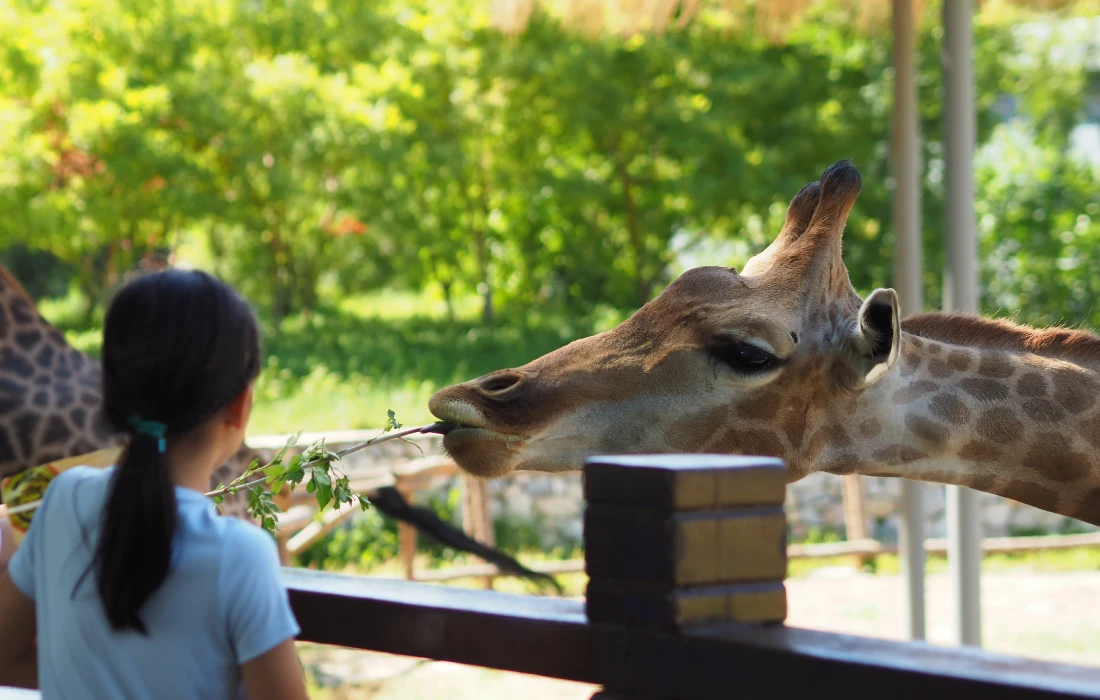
247	542
90	481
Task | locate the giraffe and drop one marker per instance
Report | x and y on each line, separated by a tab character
50	397
785	359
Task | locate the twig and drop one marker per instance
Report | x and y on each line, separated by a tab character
396	435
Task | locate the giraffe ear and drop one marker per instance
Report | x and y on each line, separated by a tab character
873	347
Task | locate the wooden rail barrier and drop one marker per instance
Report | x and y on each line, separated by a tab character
686	556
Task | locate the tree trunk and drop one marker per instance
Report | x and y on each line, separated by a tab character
633	229
448	298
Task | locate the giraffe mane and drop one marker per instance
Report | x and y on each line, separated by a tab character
975	331
8	281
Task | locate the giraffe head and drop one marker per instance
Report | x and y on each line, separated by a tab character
721	361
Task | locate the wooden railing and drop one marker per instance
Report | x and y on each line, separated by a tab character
686	557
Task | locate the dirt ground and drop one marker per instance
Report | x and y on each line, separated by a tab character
1051	616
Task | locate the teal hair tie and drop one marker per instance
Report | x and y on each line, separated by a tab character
151	428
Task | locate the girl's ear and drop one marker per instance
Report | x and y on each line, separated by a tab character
240	409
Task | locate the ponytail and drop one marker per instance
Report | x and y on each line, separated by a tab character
135	544
177	348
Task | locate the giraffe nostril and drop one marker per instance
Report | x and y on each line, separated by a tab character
500	382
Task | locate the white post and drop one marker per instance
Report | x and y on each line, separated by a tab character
907	281
961	292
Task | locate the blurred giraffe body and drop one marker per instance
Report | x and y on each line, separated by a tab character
51	403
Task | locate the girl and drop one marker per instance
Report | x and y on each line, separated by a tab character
132	583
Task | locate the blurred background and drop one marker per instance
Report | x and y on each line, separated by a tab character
415	193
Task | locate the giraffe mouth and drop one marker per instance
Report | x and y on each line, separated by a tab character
470	432
460	423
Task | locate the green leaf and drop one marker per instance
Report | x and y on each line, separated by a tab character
391	421
311	486
294	471
324	496
363	502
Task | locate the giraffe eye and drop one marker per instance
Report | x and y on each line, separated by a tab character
742	357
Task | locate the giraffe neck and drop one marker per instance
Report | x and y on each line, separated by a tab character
50	400
1016	424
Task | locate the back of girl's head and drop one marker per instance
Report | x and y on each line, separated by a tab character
178	347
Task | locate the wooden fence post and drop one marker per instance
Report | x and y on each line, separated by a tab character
679	543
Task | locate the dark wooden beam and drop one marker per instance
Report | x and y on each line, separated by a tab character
780	662
550	637
527	634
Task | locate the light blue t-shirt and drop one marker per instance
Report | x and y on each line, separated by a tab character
222	605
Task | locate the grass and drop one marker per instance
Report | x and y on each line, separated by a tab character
344	365
1080	559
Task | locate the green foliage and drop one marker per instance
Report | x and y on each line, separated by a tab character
351	145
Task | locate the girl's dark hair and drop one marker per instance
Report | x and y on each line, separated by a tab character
178	346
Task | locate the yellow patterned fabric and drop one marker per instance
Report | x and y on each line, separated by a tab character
30	485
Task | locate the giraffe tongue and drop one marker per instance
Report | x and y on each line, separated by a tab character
440	428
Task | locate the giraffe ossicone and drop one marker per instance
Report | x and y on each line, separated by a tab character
785	359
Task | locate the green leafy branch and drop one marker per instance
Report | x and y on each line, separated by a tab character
326	482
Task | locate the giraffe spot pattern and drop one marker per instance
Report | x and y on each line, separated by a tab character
15	363
1031	494
996	366
1032	384
847	463
931	432
795	427
1088	509
41	399
1051	455
761	442
898	454
763	407
949	409
64	396
960	360
26	427
21	311
913	391
870	427
985	390
983	482
940	368
910	363
978	451
999	426
818	442
838	436
1043	411
1074	391
44	358
699	428
57	430
8	455
26	340
1090	430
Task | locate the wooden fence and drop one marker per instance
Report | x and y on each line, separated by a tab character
686	557
418	464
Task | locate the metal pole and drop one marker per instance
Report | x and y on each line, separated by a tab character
907	282
961	292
